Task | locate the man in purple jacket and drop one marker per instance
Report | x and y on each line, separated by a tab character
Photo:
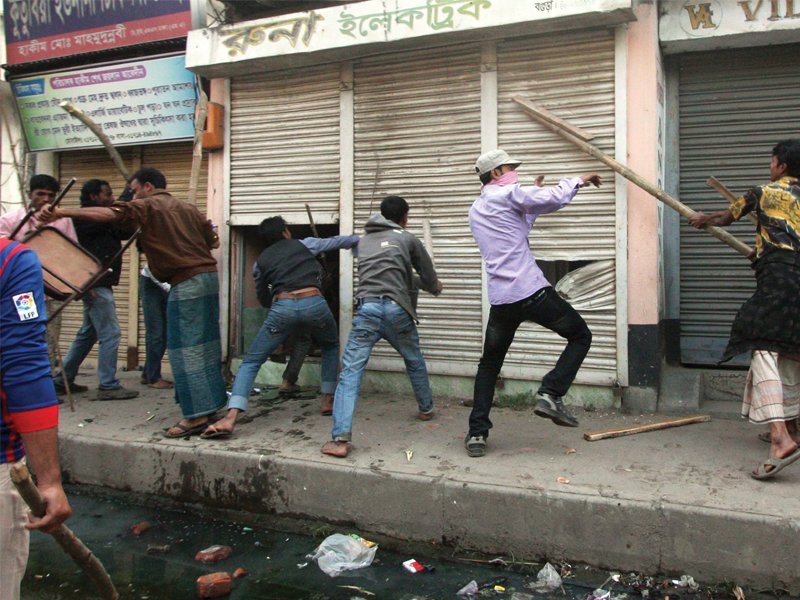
501	219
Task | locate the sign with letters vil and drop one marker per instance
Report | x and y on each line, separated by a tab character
137	102
43	29
707	23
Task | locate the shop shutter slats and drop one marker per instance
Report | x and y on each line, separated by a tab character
285	146
574	78
417	132
728	127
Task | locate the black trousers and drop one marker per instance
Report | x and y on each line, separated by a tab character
549	310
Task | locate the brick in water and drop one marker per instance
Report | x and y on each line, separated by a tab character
140	528
213	554
214	585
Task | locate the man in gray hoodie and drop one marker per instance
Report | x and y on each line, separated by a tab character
388	255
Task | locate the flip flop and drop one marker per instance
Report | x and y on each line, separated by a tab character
765	436
185	431
212	432
764	472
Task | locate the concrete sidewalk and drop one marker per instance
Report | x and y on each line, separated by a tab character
673	501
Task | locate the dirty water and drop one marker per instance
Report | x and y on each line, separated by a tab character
160	564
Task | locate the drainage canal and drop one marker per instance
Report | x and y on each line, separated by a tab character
160	563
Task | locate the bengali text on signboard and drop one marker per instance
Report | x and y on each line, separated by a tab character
44	29
134	103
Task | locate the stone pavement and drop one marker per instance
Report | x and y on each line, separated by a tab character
673	501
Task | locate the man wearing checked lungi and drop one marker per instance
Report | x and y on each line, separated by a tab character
768	324
177	240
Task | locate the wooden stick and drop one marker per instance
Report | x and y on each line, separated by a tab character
535	112
197	146
593	436
104	139
70	543
428	239
726	193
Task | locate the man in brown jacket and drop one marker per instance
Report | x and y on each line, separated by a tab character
177	240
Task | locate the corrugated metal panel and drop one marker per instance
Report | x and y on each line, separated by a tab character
174	160
734	106
284	148
417	131
574	77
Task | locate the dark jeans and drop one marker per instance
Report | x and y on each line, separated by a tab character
549	310
299	344
154	310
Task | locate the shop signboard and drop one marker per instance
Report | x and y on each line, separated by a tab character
710	24
143	101
45	29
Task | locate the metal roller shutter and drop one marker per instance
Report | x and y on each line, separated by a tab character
574	77
284	149
728	127
417	132
174	160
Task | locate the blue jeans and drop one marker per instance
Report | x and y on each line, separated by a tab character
284	317
549	310
154	310
377	318
99	325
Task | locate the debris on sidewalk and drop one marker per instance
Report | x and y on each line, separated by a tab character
409	455
213	554
214	585
240	572
338	553
563	480
139	528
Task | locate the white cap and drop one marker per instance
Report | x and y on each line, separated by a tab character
493	159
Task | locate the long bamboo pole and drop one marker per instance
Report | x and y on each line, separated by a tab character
71	544
549	121
197	146
104	139
715	183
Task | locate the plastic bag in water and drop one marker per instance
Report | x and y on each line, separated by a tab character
338	553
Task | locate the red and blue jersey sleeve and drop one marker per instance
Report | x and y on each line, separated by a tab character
28	397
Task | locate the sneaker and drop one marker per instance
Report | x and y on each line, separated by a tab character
551	407
119	393
75	388
475	445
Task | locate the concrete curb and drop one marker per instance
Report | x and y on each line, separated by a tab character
529	523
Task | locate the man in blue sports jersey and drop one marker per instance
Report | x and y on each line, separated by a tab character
29	415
